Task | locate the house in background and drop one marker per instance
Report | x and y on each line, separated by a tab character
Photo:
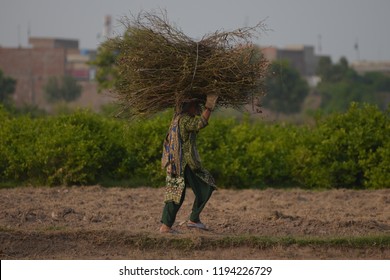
50	57
364	66
301	57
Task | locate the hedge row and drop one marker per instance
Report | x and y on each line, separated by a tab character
344	150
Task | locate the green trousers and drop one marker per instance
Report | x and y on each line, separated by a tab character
202	192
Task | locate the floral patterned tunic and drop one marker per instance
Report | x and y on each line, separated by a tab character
182	135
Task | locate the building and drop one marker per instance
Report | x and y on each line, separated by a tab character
53	43
49	57
301	57
363	67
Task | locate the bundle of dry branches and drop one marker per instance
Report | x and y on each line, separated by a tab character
159	66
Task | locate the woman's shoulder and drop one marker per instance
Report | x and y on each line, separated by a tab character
185	118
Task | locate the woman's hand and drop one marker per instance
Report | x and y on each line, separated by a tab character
211	101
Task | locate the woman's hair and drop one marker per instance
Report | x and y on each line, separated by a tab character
185	106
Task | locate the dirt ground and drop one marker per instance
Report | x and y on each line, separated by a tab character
111	223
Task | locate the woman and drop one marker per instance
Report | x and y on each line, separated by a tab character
182	163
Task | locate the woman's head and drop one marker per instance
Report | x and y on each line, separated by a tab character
191	107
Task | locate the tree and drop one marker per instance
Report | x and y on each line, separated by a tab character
333	73
324	68
67	89
106	74
286	89
7	87
341	85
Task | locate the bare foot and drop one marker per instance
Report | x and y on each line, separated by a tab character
165	229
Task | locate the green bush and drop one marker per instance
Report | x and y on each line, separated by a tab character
247	154
76	149
343	150
143	144
84	149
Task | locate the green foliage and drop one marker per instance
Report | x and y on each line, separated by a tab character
143	143
286	89
335	72
76	149
337	97
7	87
85	150
67	89
26	109
343	150
247	154
342	85
107	73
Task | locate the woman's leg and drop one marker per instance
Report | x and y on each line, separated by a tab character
202	192
170	211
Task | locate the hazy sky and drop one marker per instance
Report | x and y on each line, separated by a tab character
339	22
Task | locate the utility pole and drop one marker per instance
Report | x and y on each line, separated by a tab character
356	47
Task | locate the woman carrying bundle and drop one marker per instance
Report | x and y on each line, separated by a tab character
182	163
